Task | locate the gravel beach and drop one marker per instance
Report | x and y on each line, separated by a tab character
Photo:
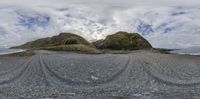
139	74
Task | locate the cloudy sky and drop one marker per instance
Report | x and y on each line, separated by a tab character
165	23
124	3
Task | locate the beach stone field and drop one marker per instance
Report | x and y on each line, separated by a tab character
67	75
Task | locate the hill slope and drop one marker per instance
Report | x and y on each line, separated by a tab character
123	41
61	42
61	39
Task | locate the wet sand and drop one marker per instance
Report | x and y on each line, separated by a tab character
139	74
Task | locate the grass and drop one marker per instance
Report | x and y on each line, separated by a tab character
123	41
74	47
61	39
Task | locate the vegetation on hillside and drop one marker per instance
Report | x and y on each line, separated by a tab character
72	42
61	39
123	41
74	47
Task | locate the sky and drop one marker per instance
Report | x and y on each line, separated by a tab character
164	23
123	3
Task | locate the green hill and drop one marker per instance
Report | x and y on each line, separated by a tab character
72	42
123	41
61	42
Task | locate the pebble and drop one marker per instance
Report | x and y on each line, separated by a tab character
137	95
94	78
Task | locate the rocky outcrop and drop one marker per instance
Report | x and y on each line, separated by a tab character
62	42
61	39
72	42
123	41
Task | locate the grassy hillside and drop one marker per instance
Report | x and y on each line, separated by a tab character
61	39
123	41
72	42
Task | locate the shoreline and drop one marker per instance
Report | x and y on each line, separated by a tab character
23	53
7	51
26	52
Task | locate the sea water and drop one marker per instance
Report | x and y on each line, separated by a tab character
4	51
189	51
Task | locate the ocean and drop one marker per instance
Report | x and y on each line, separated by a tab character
4	51
189	51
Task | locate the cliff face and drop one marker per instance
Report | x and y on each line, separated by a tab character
123	41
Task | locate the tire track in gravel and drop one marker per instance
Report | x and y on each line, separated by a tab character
163	79
71	82
30	71
34	74
24	67
42	67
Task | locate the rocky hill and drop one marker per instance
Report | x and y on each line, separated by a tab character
61	42
72	42
61	39
123	41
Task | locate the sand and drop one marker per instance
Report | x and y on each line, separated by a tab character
139	74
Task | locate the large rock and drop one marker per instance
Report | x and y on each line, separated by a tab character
123	41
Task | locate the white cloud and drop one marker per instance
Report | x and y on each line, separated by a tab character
122	3
165	23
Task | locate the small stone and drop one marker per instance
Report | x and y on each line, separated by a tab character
94	78
71	94
147	93
87	81
137	95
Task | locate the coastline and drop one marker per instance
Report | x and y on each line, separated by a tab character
28	52
5	51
